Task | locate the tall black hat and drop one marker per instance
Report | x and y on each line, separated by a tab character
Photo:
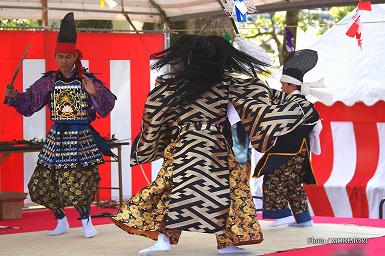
297	64
66	40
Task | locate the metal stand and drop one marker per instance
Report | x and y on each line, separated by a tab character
381	208
119	161
7	151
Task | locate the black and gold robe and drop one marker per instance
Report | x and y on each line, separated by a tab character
201	187
288	146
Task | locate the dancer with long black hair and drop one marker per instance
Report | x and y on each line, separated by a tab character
201	186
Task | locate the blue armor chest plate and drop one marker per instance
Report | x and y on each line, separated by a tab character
69	103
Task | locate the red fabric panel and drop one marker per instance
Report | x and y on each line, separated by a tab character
11	128
322	167
102	125
140	75
50	64
364	6
137	49
364	119
352	31
367	159
359	112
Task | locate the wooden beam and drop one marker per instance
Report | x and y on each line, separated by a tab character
77	10
44	5
198	15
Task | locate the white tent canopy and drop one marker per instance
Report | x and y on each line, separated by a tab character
137	10
351	74
146	10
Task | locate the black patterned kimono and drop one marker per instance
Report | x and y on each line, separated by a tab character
201	186
285	167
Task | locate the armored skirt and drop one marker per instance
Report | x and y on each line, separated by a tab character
67	169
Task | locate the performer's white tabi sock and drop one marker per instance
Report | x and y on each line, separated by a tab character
231	249
303	224
61	227
88	229
283	221
162	245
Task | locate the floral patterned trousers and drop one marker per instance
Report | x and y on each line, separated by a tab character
56	189
283	187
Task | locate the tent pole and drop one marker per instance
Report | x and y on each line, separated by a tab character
163	17
127	17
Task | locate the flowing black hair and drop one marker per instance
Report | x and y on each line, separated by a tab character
199	62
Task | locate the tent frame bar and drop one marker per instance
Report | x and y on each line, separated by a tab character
76	10
100	30
282	6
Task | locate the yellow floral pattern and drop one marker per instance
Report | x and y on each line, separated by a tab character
144	213
284	186
61	188
242	226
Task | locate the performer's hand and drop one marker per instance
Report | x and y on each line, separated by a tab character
158	81
89	85
10	93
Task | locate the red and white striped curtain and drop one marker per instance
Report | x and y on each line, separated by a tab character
351	168
350	171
